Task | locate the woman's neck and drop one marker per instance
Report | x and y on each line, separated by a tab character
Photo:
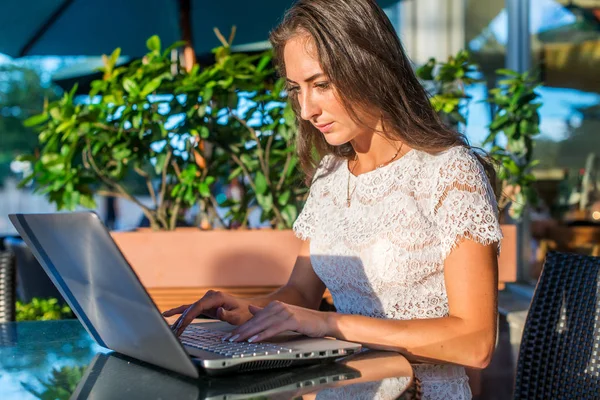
375	150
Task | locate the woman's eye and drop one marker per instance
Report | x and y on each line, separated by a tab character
293	89
323	86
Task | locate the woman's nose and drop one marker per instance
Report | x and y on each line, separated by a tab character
308	107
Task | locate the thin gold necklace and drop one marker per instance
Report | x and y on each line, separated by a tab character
351	171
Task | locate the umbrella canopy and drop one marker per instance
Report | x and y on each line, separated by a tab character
93	27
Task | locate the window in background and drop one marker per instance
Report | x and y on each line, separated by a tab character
486	34
565	45
565	42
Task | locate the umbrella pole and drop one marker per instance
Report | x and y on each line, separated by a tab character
185	24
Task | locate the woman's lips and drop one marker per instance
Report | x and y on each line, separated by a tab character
325	128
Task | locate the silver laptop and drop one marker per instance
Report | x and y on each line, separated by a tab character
82	260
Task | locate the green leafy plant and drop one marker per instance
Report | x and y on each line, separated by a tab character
517	120
42	310
260	147
179	131
60	385
446	82
126	126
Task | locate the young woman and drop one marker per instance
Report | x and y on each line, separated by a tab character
401	220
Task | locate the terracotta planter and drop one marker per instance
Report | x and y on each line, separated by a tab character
180	266
191	257
507	262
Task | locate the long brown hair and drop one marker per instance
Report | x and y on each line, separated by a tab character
362	56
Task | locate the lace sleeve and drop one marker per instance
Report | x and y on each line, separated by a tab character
464	203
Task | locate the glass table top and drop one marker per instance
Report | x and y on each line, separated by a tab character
59	360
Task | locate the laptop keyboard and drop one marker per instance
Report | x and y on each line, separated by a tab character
211	340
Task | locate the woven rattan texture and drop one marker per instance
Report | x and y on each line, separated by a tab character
559	356
7	286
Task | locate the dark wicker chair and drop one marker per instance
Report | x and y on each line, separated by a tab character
559	356
7	286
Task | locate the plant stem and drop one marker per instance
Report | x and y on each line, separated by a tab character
174	215
147	212
144	175
284	172
161	211
246	172
215	206
268	150
261	152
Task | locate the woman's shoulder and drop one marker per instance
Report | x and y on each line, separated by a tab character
457	160
452	154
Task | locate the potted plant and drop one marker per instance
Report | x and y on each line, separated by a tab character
515	122
181	132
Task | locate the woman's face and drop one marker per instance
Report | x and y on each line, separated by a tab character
317	96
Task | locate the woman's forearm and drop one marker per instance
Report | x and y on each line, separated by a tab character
286	294
447	339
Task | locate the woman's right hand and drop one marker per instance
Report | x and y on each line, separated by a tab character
213	304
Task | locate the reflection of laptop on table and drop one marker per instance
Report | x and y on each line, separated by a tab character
112	376
79	255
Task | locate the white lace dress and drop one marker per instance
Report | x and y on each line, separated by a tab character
384	255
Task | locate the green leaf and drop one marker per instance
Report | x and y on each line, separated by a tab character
35	120
175	45
425	72
289	115
151	86
56	113
136	121
289	213
507	72
64	126
114	57
284	198
261	183
292	166
50	159
246	159
202	110
87	201
160	160
499	121
265	202
234	174
204	132
153	43
264	61
204	189
121	153
130	86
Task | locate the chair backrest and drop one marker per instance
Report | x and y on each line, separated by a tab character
559	356
7	286
32	280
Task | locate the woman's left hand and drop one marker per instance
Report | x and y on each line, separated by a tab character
278	317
